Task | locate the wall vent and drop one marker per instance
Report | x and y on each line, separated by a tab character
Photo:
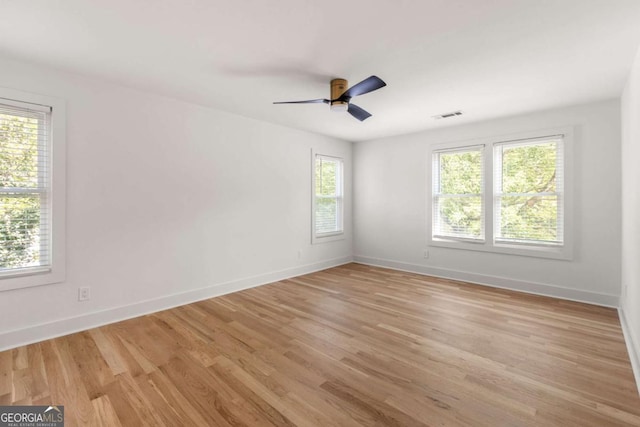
447	115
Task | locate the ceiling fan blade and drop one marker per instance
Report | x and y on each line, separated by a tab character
367	85
358	112
310	101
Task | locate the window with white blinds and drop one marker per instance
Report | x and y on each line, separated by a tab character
25	188
528	193
508	195
328	196
458	193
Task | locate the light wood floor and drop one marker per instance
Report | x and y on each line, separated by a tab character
352	345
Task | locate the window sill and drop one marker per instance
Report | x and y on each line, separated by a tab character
329	237
537	251
30	277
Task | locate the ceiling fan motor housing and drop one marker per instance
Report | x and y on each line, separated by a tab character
338	87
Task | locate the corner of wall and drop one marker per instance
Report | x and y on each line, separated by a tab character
633	347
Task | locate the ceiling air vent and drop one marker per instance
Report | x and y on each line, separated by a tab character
447	115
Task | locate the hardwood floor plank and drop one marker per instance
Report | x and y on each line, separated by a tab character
123	406
90	364
37	371
109	353
130	365
6	368
185	412
22	385
65	381
224	369
105	414
349	346
284	415
20	358
377	411
202	394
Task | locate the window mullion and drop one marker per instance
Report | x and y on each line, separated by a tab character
487	190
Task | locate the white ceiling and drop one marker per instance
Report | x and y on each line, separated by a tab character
488	58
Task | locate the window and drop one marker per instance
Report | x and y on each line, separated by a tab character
458	187
328	197
528	192
30	208
509	196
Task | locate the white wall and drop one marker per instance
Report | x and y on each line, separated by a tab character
168	202
630	300
390	208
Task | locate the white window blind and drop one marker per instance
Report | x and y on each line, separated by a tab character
25	187
458	188
528	194
328	215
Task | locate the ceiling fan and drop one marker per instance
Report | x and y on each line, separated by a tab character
341	96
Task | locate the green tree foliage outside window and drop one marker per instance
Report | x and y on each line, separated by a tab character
528	198
19	210
458	194
328	195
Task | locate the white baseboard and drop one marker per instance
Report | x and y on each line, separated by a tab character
57	328
496	281
633	345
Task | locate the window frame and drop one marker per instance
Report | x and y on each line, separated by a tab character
560	252
559	192
337	235
56	200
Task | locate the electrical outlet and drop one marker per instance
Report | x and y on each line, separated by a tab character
84	294
426	254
